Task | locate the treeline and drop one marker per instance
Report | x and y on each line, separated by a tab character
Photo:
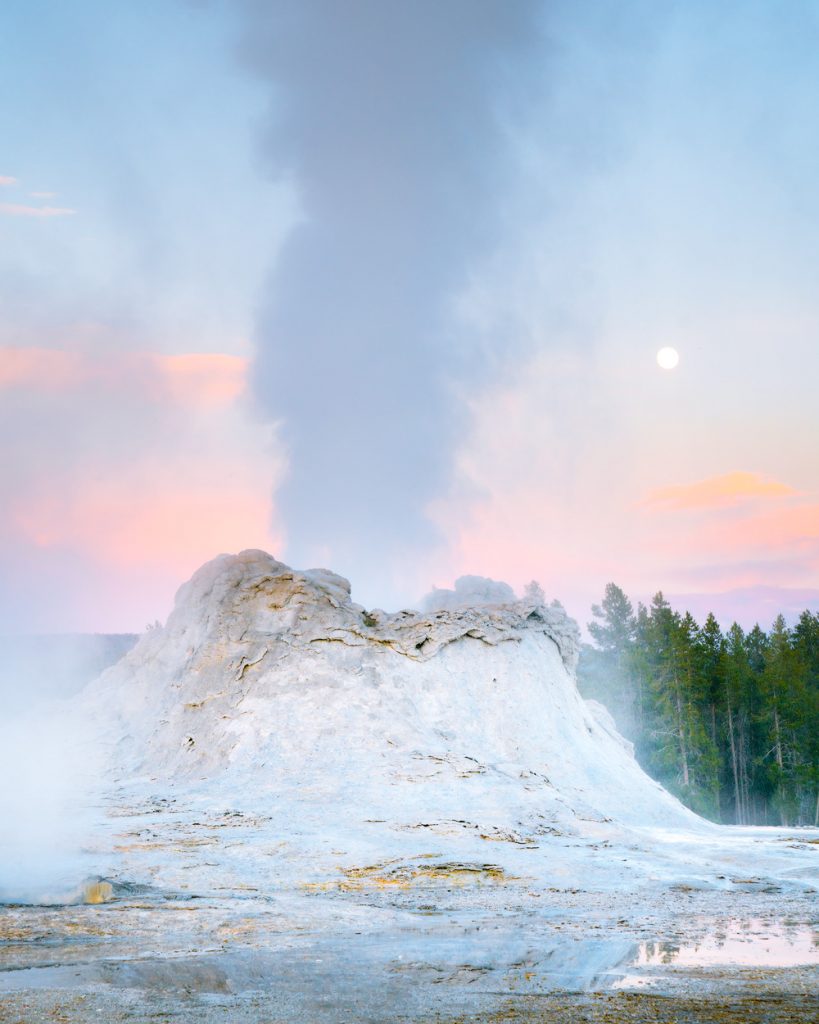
729	722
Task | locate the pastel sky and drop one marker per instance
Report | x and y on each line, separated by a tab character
380	286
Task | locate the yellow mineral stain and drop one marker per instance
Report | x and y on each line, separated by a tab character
405	876
97	892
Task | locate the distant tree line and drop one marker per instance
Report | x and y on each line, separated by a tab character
729	722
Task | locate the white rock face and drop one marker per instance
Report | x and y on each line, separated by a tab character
468	717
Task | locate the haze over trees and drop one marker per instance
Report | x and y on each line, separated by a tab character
729	722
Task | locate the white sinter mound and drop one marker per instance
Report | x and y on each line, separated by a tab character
273	733
273	689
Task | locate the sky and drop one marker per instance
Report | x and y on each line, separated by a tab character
379	286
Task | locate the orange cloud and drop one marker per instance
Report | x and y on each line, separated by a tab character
718	492
21	210
193	379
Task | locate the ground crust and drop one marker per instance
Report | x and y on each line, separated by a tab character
621	1008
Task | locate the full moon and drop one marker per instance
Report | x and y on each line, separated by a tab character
668	358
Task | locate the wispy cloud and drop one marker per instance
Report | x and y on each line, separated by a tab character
200	379
6	179
718	492
22	210
41	368
748	604
42	195
147	515
137	465
212	378
793	531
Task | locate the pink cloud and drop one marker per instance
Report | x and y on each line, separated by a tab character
749	604
41	368
6	179
208	380
203	378
718	492
574	543
558	482
750	546
151	519
785	530
21	210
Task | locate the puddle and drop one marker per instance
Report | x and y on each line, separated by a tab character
752	943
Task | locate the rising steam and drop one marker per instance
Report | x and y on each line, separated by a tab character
389	117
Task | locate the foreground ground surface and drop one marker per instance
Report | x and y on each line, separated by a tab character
573	1009
455	945
302	811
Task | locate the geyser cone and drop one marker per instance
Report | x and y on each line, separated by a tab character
272	683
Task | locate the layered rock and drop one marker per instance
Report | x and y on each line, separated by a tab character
251	598
276	681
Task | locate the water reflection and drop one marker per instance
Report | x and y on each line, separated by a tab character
747	943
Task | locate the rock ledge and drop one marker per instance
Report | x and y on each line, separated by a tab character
253	597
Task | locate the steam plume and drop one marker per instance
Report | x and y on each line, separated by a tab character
388	115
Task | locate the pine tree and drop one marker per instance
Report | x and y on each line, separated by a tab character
610	664
736	675
708	695
776	681
757	782
667	660
806	649
614	632
729	722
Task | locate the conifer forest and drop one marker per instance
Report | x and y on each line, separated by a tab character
728	721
